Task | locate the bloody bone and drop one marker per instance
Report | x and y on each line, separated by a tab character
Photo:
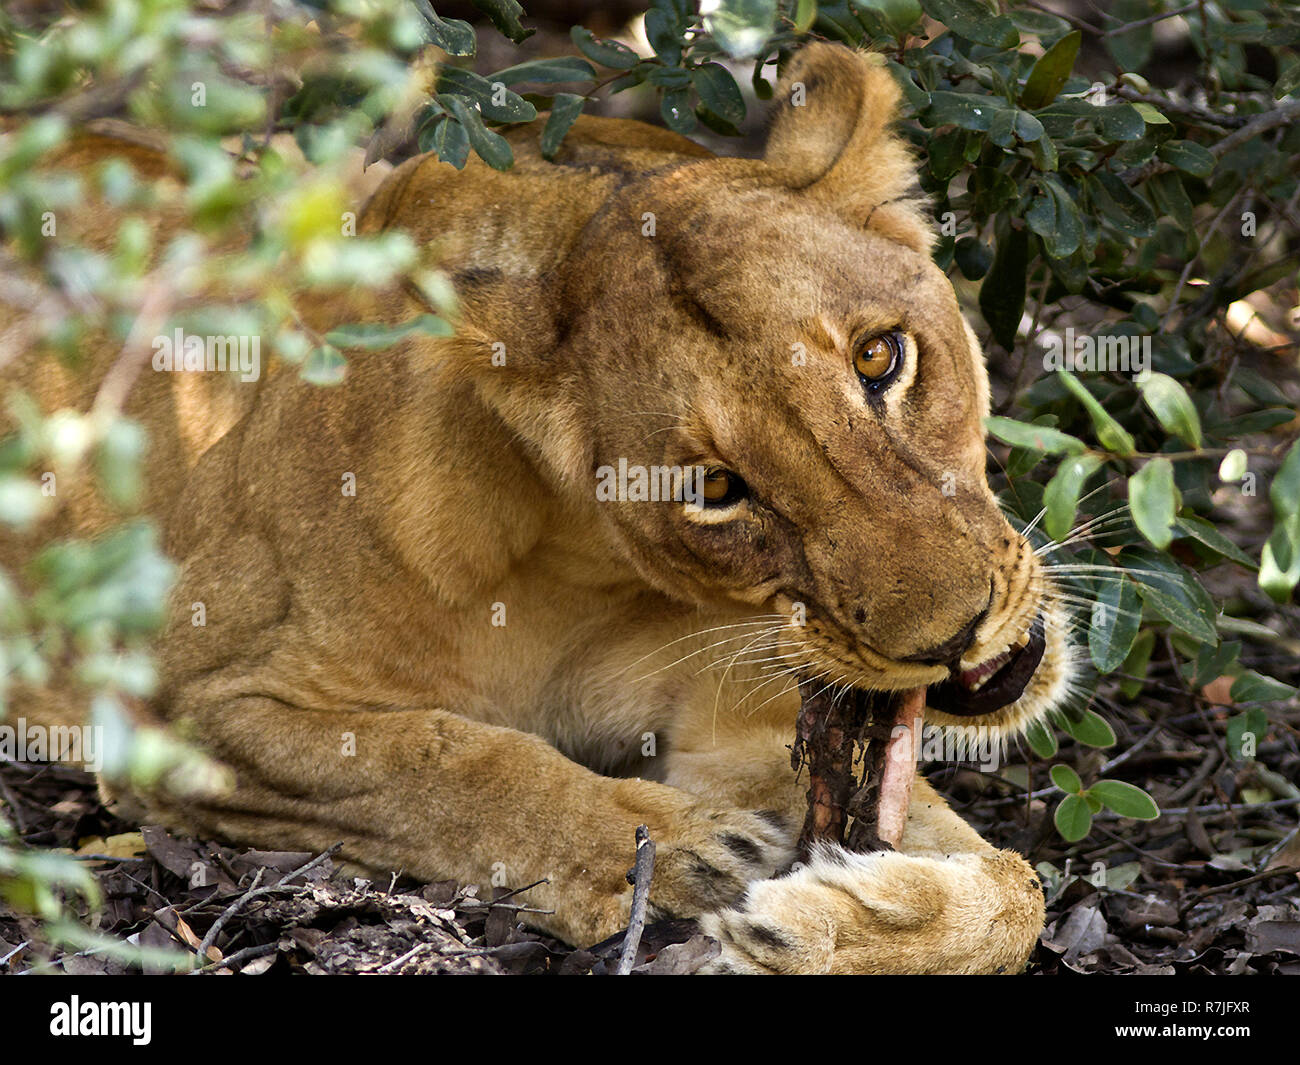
833	726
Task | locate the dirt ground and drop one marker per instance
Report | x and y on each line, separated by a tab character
1203	889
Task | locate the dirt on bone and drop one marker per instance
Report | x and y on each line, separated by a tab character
859	749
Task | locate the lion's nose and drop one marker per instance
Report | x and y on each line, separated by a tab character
950	651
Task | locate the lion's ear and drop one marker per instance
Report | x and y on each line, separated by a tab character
831	140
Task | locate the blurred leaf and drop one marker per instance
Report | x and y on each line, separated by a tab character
741	27
325	366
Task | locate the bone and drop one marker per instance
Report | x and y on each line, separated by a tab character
899	770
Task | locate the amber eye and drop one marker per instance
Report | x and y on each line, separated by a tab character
721	488
878	359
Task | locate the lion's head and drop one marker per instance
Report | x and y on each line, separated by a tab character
780	323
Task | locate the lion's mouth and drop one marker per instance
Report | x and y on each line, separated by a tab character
993	684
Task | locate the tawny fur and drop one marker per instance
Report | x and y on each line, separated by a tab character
334	619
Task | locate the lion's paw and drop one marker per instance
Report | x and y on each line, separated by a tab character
884	913
707	863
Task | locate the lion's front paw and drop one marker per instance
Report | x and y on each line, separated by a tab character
884	913
709	859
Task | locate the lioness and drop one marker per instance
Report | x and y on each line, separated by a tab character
474	664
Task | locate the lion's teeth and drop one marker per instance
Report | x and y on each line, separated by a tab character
1022	642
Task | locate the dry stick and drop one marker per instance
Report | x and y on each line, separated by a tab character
258	950
1268	874
640	877
254	891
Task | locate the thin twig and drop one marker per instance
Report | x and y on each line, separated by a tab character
640	877
254	891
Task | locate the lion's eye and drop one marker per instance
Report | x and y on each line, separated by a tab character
721	488
878	359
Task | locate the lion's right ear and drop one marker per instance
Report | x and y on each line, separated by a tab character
831	141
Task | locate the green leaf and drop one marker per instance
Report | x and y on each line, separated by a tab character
565	109
1131	48
612	54
1252	722
1125	799
1002	294
1061	496
805	14
1114	623
546	71
1252	687
451	143
1173	593
1073	818
1121	206
1136	664
1066	779
1033	437
1151	116
975	21
1233	466
1279	561
325	366
1041	740
1153	501
1171	405
719	92
1120	122
973	111
1089	728
1284	492
973	257
1113	436
504	15
492	148
1055	218
742	28
1203	532
450	34
1051	72
372	336
675	110
1188	156
497	102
